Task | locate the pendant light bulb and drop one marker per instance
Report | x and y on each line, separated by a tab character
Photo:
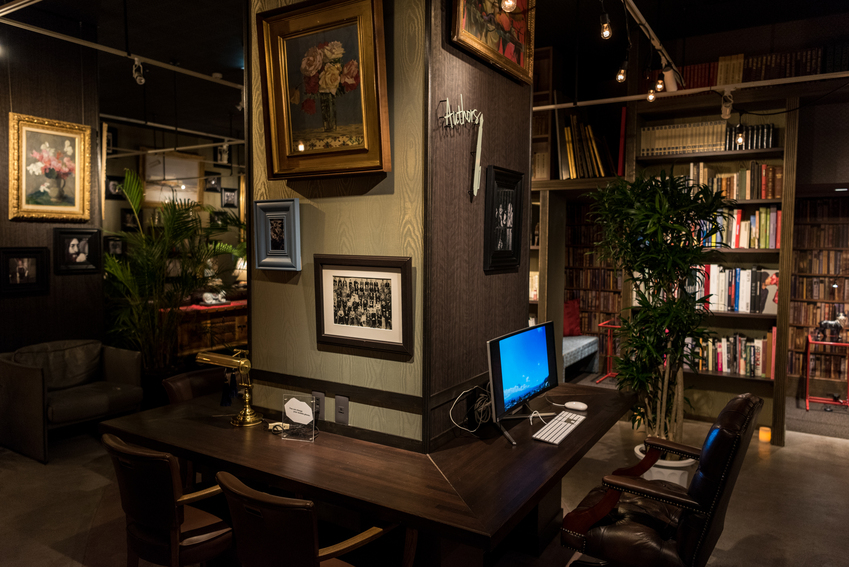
622	74
651	96
658	86
606	32
740	138
508	5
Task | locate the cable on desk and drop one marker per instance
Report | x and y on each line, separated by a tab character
482	409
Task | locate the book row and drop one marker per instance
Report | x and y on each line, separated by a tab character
824	367
703	137
742	290
810	314
799	340
582	152
821	236
605	301
820	288
759	229
821	210
832	262
758	181
738	354
585	256
591	320
593	278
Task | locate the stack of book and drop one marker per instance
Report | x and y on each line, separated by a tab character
741	290
758	230
738	354
821	262
703	137
582	152
757	181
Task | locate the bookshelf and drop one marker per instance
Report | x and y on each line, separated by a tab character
716	164
542	122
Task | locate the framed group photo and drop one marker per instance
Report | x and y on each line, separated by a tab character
24	271
503	220
324	89
76	251
49	169
278	234
364	302
503	39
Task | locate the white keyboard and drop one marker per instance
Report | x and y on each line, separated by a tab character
559	427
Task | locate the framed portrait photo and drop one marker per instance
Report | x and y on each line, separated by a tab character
113	245
364	302
129	222
324	89
278	234
503	221
218	218
503	39
76	251
229	198
212	181
114	188
24	271
49	169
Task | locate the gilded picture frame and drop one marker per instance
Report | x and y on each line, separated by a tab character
324	89
503	39
49	169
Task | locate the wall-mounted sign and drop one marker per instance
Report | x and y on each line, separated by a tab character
460	117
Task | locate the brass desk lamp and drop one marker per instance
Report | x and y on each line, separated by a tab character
247	416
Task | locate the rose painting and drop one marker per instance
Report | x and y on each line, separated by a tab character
325	98
50	177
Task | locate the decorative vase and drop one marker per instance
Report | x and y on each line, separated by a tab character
672	471
57	189
328	111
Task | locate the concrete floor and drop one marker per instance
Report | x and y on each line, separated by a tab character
788	508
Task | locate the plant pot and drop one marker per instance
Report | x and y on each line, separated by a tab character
671	471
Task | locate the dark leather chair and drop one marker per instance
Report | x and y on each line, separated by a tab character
162	527
272	530
194	384
633	522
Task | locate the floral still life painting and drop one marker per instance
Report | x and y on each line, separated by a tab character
49	169
324	90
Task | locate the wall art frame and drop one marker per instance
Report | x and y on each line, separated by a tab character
278	235
212	183
171	175
364	302
503	39
229	198
324	89
505	197
24	271
49	169
76	251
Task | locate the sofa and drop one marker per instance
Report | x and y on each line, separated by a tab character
51	385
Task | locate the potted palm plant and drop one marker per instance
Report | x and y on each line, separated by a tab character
163	266
654	229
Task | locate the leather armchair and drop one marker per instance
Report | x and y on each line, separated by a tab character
51	385
632	522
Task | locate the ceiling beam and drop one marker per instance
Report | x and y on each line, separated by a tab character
15	5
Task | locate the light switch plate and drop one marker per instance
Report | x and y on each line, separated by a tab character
342	410
319	405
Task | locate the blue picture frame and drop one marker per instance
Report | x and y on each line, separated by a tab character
278	235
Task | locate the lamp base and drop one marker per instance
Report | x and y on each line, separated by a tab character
247	418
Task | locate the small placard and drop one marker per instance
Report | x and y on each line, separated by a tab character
298	418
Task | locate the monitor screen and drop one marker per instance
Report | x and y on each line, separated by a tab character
522	365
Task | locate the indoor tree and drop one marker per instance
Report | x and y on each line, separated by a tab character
162	267
653	229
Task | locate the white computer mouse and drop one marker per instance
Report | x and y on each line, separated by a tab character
577	406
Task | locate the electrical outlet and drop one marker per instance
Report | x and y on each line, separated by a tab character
342	410
319	405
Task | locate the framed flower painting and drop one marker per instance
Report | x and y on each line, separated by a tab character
49	169
324	89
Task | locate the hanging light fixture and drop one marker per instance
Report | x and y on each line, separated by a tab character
651	96
658	86
508	5
740	134
622	74
606	32
669	81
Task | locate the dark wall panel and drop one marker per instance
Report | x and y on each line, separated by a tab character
51	79
464	307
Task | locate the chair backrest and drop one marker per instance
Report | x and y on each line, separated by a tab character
184	387
149	482
719	465
270	530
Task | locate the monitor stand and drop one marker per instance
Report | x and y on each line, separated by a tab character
523	408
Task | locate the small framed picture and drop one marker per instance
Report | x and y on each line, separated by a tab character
213	181
76	251
24	271
218	218
229	198
114	187
365	302
503	221
129	222
113	245
111	139
278	234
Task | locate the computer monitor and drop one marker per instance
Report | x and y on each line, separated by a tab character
522	365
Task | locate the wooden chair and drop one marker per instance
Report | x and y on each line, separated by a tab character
162	527
633	522
193	384
272	530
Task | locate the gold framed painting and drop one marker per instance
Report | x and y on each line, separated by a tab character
49	169
324	89
170	176
504	39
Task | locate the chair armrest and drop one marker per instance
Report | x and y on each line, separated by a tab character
352	543
649	489
193	497
121	366
23	407
675	448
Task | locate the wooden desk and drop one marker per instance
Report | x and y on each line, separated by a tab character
472	492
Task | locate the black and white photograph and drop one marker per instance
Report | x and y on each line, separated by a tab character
277	232
76	251
114	188
365	302
229	199
113	245
503	220
129	223
213	181
362	302
23	271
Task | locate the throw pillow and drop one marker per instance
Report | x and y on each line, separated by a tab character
571	318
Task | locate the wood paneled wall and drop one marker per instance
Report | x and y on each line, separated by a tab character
51	79
464	307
